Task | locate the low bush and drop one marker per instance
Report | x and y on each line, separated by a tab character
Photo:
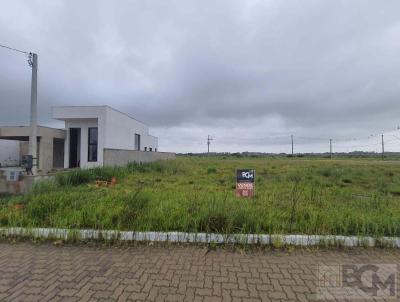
211	170
79	177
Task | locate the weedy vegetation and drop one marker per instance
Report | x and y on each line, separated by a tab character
196	194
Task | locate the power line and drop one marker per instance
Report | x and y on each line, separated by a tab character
29	55
359	146
363	146
304	138
288	139
311	138
14	49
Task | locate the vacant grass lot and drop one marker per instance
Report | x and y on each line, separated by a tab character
196	194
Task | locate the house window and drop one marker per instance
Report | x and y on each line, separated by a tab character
151	149
145	148
137	141
92	144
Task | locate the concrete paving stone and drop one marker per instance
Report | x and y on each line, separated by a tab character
46	272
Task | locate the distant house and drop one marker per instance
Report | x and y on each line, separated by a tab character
101	135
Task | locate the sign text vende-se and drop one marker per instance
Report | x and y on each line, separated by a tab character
245	182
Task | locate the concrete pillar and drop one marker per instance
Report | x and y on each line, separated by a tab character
46	154
66	149
23	149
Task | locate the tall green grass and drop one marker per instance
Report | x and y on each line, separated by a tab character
78	177
298	196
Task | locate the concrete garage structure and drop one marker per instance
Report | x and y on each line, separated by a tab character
101	135
9	153
50	145
93	136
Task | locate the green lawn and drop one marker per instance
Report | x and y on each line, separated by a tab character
196	194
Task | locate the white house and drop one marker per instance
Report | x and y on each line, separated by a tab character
93	133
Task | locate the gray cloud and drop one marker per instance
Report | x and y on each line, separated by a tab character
189	68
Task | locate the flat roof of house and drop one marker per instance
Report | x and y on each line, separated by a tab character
23	132
98	107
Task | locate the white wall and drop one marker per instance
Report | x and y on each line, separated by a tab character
84	125
83	117
9	152
116	130
150	141
121	129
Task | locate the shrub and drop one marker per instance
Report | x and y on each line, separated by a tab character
79	177
211	170
326	171
395	190
44	186
347	180
74	178
214	222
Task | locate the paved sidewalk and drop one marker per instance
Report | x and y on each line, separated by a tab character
81	273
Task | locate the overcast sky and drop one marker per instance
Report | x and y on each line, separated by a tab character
249	73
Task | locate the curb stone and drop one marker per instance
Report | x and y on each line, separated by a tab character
183	237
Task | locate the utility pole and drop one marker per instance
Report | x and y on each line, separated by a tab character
383	148
33	62
292	144
209	139
330	147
